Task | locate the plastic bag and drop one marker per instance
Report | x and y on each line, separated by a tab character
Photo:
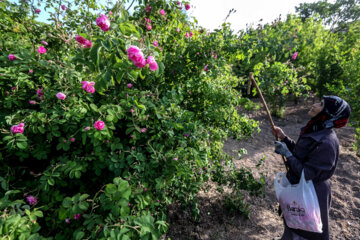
299	203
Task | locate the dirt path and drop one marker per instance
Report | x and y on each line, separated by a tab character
264	223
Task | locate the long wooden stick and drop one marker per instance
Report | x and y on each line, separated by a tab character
251	77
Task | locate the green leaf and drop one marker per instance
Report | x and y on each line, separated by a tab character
21	145
51	181
78	235
67	202
110	189
94	107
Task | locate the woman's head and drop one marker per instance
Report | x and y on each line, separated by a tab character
337	110
331	112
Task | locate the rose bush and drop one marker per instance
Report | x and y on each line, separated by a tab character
117	128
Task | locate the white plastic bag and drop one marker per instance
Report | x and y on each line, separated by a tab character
299	203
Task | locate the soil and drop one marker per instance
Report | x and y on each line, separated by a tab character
217	223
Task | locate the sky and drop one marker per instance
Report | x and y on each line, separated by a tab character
211	13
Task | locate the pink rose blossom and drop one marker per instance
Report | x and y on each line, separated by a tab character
87	128
18	128
145	189
187	6
61	96
129	205
67	220
88	44
31	200
99	125
7	93
31	71
107	141
135	55
294	56
110	13
63	7
178	3
155	43
143	130
132	136
103	22
12	57
178	29
64	141
39	93
88	86
41	50
205	68
44	43
129	85
32	102
187	35
152	63
175	159
162	11
148	8
148	27
37	11
191	34
72	139
80	39
77	216
132	110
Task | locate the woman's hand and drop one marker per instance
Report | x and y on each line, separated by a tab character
278	132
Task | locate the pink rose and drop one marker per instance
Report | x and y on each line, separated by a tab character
187	35
132	110
178	3
18	128
39	93
37	11
148	8
129	85
155	43
178	29
63	7
44	43
60	96
99	125
31	200
162	11
143	130
152	63
31	71
41	50
77	216
80	39
72	139
12	57
32	102
191	34
148	27
110	13
88	86
67	220
205	68
88	44
136	56
187	6
87	128
175	159
103	22
294	56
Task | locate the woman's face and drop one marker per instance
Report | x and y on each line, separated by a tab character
316	108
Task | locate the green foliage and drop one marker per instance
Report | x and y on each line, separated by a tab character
163	136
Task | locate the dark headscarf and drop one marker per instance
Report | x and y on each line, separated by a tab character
335	114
